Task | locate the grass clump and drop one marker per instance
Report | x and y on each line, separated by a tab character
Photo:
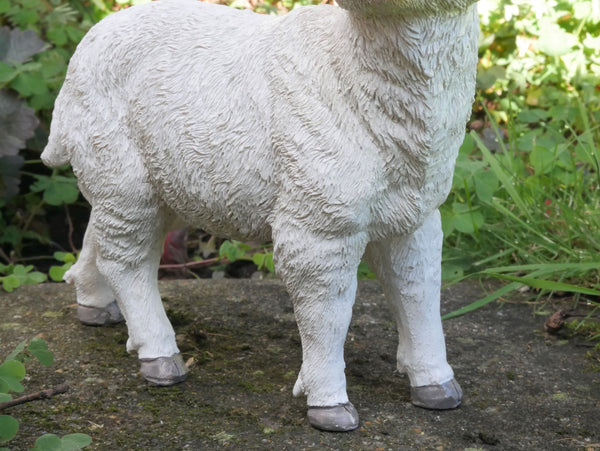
525	200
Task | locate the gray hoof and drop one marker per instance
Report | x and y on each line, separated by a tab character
95	316
439	397
335	419
164	370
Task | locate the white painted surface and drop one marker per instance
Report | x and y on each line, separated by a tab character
326	129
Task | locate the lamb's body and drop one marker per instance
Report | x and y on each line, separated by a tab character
324	129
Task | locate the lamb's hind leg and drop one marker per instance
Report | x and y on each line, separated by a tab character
129	248
96	305
409	269
320	275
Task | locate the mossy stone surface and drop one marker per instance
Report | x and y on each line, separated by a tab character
523	390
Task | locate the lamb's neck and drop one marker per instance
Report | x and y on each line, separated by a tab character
382	80
417	75
396	46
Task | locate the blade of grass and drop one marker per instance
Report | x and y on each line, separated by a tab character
516	282
548	285
555	246
482	302
499	172
544	268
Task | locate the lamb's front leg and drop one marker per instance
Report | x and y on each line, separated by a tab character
409	269
320	275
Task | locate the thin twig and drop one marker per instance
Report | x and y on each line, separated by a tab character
200	264
5	257
70	222
33	211
43	394
217	335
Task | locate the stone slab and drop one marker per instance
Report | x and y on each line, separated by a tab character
524	390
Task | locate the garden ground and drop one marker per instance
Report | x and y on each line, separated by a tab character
524	389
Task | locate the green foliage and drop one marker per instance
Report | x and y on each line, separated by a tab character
264	261
364	272
17	275
70	442
56	189
545	53
38	348
48	29
262	257
57	273
526	190
589	331
19	121
235	251
37	38
17	48
8	428
12	373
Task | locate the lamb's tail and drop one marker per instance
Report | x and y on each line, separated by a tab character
55	154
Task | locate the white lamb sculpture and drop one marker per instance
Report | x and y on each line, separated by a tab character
332	131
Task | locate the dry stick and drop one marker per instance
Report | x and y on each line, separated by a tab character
5	257
44	394
199	264
71	228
